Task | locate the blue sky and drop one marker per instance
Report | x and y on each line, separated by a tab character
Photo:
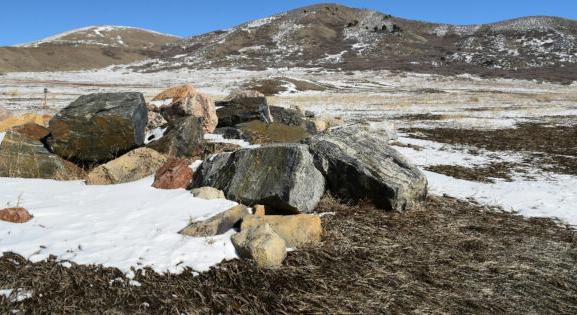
26	20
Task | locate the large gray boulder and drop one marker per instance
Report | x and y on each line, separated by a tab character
25	157
183	138
98	127
282	177
359	164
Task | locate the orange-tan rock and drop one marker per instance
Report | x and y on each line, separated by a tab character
296	230
132	166
185	100
13	121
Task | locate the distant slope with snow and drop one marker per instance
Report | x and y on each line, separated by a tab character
339	37
84	48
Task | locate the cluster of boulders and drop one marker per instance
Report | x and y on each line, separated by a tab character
115	138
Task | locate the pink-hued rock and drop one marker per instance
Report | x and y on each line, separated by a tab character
15	215
174	174
185	100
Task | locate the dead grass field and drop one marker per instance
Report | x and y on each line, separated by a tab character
449	256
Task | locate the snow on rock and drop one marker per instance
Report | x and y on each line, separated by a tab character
125	226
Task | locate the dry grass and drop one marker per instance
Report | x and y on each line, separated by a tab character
483	174
551	148
447	257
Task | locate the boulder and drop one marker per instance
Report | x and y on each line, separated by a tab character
296	230
211	148
32	131
261	244
208	193
174	174
280	176
14	121
359	164
217	224
183	138
15	215
185	100
21	156
132	166
258	132
247	109
4	113
97	128
230	133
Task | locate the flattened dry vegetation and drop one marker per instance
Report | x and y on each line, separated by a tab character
484	174
276	85
550	147
449	256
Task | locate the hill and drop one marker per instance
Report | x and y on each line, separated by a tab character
85	48
338	37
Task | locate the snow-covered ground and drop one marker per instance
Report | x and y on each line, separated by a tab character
544	195
125	226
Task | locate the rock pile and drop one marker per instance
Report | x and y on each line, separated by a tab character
284	179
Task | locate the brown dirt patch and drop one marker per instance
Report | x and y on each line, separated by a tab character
449	256
551	148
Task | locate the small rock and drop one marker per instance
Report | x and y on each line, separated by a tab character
217	224
183	138
15	215
310	114
262	244
155	120
208	193
174	174
297	230
259	210
316	125
97	128
132	166
185	100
